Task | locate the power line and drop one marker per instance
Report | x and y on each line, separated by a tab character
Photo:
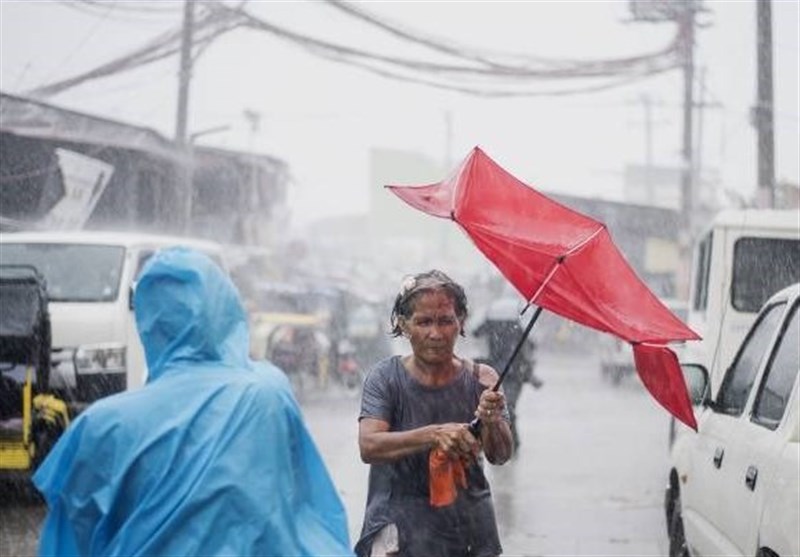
120	11
460	75
486	74
570	70
207	28
488	58
486	93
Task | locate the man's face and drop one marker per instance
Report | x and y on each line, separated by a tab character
433	327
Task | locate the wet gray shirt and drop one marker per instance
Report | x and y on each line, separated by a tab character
398	491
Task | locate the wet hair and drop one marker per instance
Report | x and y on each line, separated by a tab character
415	285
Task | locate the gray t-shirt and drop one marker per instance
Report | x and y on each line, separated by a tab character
398	491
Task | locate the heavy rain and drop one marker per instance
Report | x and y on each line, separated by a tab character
620	193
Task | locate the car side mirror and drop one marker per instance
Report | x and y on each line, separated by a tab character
696	377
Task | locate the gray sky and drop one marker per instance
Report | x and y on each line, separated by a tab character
322	117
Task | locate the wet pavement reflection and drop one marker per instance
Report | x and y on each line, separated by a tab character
588	478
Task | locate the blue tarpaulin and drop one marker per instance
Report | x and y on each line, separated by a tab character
211	457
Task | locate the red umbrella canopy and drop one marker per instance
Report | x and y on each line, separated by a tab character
564	262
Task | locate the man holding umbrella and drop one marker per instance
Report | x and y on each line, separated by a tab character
562	261
428	495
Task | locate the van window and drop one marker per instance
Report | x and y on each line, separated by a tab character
739	379
780	376
74	272
701	280
761	267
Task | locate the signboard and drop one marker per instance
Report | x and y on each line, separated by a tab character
84	179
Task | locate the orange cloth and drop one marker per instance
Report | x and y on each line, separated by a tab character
446	474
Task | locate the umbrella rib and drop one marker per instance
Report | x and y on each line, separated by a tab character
559	260
549	276
577	247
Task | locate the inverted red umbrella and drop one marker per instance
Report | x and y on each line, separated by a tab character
562	261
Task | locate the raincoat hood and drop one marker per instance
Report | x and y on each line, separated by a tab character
187	310
210	457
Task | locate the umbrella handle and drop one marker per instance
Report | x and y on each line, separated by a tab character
475	425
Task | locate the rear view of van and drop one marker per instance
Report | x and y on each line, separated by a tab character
90	277
742	258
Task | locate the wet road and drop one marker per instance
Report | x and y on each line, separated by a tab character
588	479
589	476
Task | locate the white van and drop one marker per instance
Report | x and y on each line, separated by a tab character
90	277
742	259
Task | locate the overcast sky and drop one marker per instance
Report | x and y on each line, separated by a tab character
322	117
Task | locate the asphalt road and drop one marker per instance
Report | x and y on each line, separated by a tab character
589	476
588	479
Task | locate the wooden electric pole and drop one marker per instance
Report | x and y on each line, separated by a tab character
763	113
683	14
186	191
687	27
185	74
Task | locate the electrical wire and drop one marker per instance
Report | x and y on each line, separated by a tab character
487	93
485	74
664	61
136	6
486	58
127	14
92	31
207	28
589	70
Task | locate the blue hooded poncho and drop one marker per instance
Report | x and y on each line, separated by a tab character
211	457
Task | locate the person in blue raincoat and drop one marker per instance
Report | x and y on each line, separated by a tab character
210	457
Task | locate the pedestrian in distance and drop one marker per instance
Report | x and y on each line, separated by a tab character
502	330
210	457
428	495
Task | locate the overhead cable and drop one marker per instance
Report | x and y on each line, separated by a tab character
491	59
465	79
478	73
207	28
633	65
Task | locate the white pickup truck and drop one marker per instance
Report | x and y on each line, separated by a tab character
734	487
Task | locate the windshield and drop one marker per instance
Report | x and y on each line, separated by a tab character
74	272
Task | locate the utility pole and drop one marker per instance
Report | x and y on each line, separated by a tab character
249	205
686	23
647	103
448	140
186	191
697	171
763	116
448	165
185	74
683	14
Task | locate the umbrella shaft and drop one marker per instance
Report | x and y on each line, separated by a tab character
517	348
475	425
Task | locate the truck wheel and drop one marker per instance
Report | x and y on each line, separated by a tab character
677	537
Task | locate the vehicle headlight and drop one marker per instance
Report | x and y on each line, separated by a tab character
100	358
